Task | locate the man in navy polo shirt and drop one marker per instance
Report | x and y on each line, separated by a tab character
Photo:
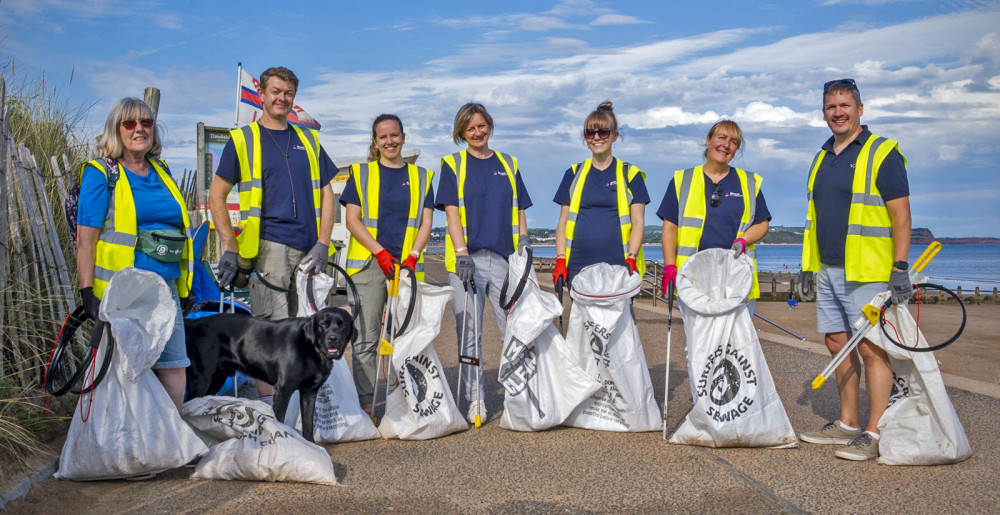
286	203
857	239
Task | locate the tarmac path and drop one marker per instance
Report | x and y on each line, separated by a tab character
573	470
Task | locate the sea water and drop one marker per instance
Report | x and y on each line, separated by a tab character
966	265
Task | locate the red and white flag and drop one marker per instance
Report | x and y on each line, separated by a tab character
249	109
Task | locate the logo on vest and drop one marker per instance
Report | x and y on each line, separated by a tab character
298	147
734	194
610	184
729	381
419	378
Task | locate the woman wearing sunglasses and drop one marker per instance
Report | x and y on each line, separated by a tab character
131	214
390	207
714	205
606	198
484	199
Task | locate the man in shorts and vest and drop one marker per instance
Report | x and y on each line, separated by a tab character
857	239
286	203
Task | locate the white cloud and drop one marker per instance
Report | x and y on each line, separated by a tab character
616	19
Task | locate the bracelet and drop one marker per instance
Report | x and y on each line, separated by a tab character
415	254
561	256
463	249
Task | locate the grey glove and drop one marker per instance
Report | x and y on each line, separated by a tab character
315	260
226	271
900	287
464	268
523	242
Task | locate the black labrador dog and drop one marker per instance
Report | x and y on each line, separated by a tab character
290	354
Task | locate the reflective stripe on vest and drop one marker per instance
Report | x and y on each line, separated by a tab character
868	248
116	244
367	185
624	199
457	162
251	184
692	210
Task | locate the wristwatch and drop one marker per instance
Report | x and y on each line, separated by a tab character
902	265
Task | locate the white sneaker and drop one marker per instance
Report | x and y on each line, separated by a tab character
476	408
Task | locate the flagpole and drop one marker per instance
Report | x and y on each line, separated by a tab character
239	92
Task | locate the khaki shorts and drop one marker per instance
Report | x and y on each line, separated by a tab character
275	263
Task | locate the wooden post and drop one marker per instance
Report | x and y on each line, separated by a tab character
4	227
152	98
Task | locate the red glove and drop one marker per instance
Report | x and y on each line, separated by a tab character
669	277
410	262
739	246
385	262
631	265
559	271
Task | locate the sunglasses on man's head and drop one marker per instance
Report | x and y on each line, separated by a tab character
716	195
846	82
600	133
146	123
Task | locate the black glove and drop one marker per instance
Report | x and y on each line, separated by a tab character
464	268
226	271
315	260
900	287
90	302
523	242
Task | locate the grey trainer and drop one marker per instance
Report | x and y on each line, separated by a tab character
862	448
831	434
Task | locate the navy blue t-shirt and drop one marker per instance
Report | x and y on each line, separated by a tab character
393	206
282	221
833	187
597	238
488	200
155	208
723	221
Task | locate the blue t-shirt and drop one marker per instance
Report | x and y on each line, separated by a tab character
833	189
723	221
597	238
488	200
282	220
393	205
155	208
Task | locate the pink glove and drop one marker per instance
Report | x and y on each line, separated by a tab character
739	246
669	278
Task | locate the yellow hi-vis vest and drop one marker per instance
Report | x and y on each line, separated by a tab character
868	249
367	184
690	187
457	162
624	195
116	245
251	185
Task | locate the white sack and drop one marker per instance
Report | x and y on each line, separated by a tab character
605	343
422	406
338	417
132	427
737	404
253	445
543	385
920	427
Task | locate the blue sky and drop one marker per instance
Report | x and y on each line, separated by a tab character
929	74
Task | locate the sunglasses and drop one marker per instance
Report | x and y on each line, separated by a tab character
600	133
716	195
147	123
845	82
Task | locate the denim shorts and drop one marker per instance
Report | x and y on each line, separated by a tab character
174	354
839	301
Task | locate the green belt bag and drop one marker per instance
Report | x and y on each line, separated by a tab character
165	245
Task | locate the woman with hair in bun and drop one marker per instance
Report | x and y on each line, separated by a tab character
606	198
713	206
484	199
390	210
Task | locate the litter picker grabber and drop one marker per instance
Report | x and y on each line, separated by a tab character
385	342
465	361
559	291
666	380
779	327
232	309
870	316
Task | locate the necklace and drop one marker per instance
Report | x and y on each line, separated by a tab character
284	153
